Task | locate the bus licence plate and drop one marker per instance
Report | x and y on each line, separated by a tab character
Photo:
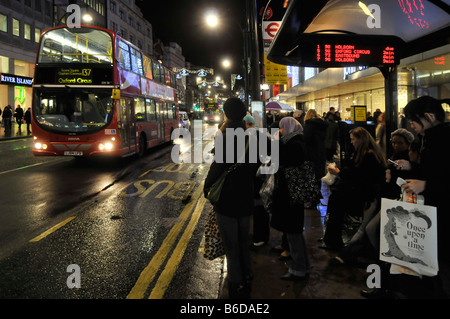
73	153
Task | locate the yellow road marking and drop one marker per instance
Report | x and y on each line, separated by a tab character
169	271
149	272
51	230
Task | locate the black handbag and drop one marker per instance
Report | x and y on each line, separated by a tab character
213	193
301	183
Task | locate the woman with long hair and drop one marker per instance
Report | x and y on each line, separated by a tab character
357	185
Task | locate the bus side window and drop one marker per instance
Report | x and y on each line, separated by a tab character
139	109
151	109
123	57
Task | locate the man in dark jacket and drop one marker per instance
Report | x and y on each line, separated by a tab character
28	119
18	114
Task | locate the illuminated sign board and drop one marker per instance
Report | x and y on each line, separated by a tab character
15	80
348	50
74	76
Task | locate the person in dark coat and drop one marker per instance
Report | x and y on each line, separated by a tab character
331	137
236	204
18	114
288	217
314	132
7	115
27	118
426	116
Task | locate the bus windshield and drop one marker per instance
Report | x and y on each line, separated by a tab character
76	45
73	111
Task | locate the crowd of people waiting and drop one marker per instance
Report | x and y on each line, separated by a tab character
20	117
361	181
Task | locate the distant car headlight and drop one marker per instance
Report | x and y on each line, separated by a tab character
217	118
205	118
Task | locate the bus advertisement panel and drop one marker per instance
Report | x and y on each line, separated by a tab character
95	93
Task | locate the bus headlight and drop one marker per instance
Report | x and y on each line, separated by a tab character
105	147
40	146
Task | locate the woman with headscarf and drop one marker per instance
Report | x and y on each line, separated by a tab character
288	217
236	204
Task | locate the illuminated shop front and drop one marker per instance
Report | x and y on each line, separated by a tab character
409	43
427	73
15	87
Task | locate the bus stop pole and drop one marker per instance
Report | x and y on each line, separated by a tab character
391	103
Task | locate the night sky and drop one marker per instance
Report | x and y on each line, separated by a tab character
182	21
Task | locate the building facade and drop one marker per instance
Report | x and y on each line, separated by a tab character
22	21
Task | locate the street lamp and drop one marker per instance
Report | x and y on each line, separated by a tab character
226	63
251	54
212	19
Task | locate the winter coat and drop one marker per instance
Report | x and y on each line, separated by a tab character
7	114
331	135
286	217
28	117
314	136
18	114
365	181
237	196
433	170
390	188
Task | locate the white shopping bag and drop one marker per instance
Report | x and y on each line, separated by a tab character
408	236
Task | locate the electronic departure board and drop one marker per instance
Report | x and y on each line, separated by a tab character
339	50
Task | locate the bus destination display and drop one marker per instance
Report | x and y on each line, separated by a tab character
355	54
344	51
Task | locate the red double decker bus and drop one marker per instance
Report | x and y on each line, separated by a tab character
95	93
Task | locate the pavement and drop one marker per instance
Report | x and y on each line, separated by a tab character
15	134
325	281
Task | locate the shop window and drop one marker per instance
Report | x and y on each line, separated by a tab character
4	64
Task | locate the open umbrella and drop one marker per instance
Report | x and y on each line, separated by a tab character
277	106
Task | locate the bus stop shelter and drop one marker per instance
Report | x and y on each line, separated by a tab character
342	33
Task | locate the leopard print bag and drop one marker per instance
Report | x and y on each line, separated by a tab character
213	242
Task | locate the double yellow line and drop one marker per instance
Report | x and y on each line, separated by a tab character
149	273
